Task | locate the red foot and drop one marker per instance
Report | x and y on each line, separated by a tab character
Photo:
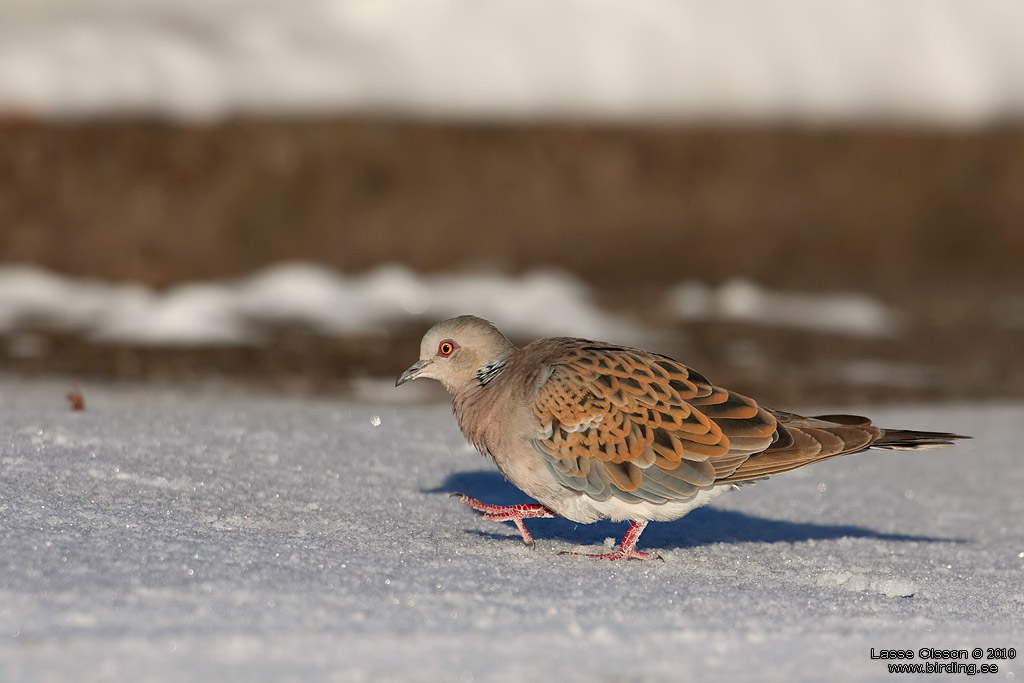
507	513
627	549
619	555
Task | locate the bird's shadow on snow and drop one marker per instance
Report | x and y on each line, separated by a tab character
700	527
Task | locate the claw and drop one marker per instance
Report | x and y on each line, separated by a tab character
517	513
617	555
507	513
627	549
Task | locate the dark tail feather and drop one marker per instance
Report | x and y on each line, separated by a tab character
909	440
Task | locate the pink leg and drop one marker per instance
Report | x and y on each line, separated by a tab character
508	513
627	549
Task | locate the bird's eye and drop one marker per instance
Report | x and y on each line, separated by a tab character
445	348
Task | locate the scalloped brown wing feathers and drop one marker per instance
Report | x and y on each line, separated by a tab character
623	422
638	426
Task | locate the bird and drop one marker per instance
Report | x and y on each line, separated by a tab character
593	430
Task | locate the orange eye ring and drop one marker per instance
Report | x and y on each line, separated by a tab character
446	348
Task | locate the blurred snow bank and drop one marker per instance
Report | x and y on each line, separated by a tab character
742	301
537	304
234	312
943	61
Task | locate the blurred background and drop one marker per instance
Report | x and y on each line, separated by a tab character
811	201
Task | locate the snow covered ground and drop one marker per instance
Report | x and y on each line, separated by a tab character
932	61
209	534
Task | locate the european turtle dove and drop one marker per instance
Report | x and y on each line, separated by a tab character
597	431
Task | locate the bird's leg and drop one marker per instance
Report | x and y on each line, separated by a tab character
508	513
627	549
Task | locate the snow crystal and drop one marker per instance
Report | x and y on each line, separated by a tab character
894	588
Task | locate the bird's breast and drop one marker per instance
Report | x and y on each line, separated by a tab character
501	429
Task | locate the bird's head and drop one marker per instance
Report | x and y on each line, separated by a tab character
454	350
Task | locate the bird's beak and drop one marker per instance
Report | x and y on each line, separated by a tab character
414	371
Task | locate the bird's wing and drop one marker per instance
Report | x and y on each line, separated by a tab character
638	426
803	440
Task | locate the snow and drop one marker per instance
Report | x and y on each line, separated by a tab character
233	312
539	303
932	61
741	300
169	534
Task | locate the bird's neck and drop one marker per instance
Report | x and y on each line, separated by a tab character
474	404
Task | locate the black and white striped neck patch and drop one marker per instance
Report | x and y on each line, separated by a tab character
486	374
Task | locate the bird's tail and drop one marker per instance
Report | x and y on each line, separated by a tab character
910	440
